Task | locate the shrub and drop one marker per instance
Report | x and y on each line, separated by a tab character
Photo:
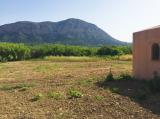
114	50
13	52
75	94
41	51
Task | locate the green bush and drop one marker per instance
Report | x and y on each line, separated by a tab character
114	50
61	50
13	52
67	50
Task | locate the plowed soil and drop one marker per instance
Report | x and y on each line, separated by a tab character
97	102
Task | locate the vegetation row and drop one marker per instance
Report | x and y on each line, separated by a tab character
14	52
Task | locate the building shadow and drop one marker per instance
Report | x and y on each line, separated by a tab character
136	90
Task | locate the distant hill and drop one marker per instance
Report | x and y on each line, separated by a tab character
70	31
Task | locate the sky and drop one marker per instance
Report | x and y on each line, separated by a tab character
119	18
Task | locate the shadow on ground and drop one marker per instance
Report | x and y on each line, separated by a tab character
136	91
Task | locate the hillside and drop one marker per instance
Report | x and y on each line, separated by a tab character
70	31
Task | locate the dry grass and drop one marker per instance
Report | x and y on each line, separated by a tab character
61	75
72	59
126	58
120	58
41	69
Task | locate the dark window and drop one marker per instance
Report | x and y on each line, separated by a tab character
155	51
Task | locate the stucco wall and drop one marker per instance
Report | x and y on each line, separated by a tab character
143	65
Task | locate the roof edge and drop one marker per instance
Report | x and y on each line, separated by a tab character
151	28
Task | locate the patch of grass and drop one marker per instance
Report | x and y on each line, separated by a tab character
74	94
124	77
110	77
45	68
54	95
126	58
40	68
37	97
22	87
71	59
7	87
99	98
85	82
120	57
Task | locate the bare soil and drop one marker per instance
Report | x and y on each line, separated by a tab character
97	102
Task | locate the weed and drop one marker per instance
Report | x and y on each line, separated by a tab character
24	85
121	77
124	77
99	98
75	94
24	88
37	97
54	95
85	82
109	77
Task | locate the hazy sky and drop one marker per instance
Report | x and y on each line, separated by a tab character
120	18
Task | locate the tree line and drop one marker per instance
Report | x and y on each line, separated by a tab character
14	52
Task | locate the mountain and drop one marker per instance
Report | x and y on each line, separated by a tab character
70	31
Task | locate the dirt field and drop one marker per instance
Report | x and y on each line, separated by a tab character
40	89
